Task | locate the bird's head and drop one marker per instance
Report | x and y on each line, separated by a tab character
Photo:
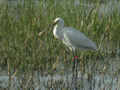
58	21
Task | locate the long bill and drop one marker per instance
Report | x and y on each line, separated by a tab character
47	29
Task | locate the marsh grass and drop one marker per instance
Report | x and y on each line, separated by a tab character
24	50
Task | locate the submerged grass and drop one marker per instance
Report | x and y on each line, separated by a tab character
23	49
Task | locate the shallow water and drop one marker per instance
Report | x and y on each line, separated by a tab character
104	77
97	82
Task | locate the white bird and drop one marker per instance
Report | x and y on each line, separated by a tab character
71	37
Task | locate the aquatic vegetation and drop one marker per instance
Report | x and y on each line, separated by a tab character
23	49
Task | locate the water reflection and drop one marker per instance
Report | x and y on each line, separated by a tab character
97	79
97	82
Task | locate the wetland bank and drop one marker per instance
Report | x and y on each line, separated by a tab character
29	61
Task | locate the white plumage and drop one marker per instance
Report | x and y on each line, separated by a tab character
71	37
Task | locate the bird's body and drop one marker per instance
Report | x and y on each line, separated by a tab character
71	37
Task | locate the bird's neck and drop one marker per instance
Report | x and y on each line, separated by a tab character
58	32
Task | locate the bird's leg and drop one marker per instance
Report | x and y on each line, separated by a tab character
75	72
76	63
73	67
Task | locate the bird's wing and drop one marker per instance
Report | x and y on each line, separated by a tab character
78	39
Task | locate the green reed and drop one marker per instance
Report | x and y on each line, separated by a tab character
21	46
